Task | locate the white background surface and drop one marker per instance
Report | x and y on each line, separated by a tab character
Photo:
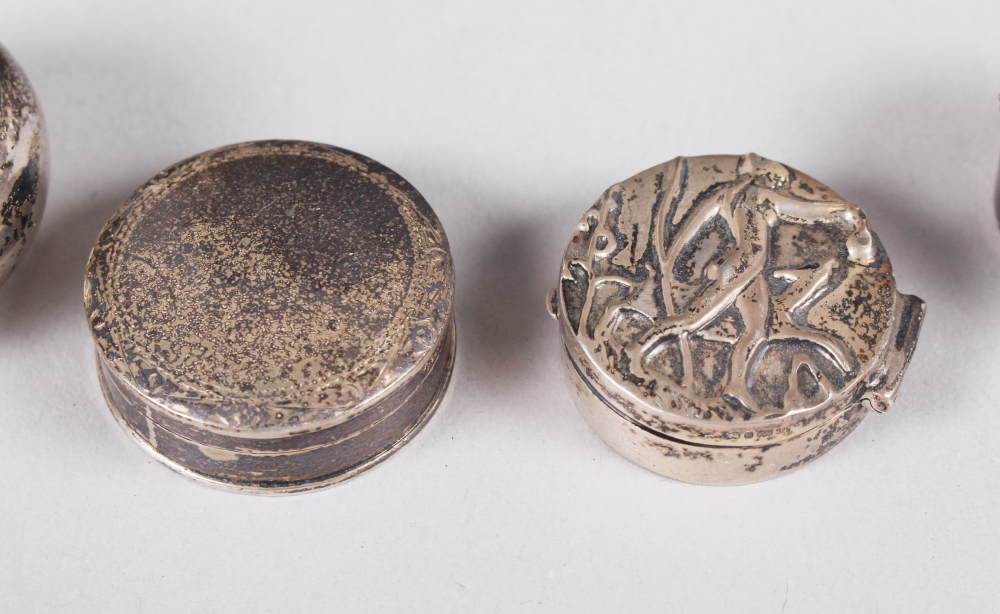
511	118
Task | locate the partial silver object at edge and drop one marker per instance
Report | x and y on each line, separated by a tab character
23	164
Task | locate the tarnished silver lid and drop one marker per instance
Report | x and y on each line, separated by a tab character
273	315
24	170
726	311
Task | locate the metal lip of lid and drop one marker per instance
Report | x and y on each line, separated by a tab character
24	164
726	319
273	316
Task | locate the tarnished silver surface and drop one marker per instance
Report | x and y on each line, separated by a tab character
727	318
24	169
273	316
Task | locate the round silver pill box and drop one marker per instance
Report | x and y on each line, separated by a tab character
274	316
728	319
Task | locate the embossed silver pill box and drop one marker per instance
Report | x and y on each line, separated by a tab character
727	319
24	164
273	317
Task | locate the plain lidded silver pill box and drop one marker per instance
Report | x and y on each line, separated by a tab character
726	319
273	316
24	170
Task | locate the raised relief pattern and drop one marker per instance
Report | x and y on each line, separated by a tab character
730	288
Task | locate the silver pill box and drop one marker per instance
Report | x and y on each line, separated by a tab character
728	319
274	316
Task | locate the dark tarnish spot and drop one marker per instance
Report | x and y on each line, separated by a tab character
303	456
698	455
575	294
711	360
759	461
667	360
831	434
666	449
622	364
770	379
904	324
712	241
866	307
24	190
